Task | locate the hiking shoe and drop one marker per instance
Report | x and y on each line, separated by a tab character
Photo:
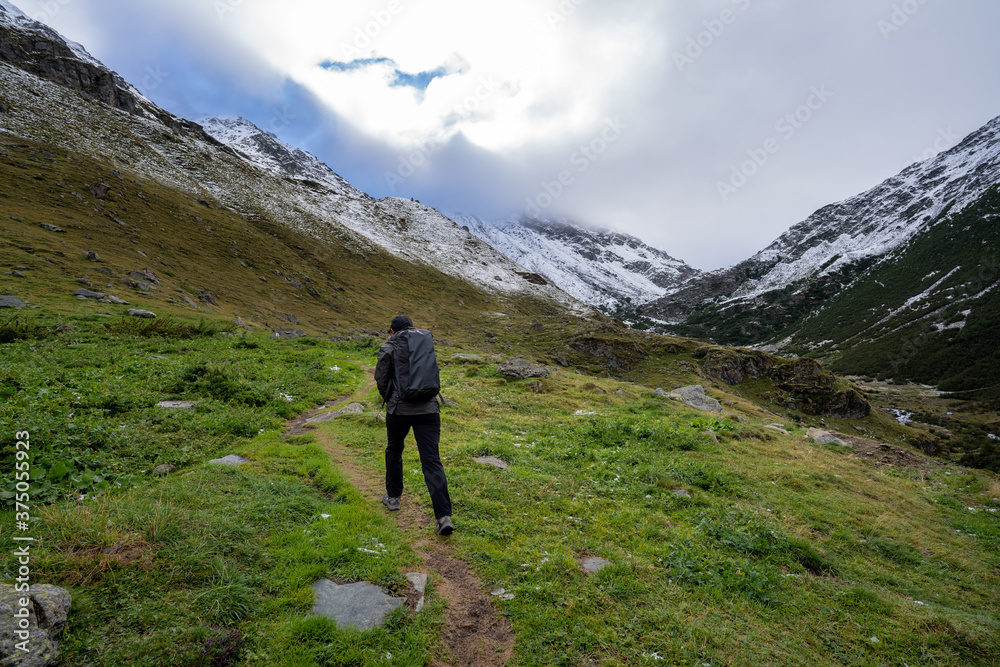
444	526
392	504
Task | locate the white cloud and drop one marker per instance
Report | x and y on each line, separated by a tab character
532	71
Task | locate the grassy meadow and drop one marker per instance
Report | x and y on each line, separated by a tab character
728	543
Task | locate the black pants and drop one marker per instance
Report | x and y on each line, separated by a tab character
427	432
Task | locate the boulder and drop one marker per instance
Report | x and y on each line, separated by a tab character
176	405
467	358
519	368
360	605
87	294
11	302
289	333
46	618
138	312
113	299
825	437
694	396
92	256
53	228
780	428
99	189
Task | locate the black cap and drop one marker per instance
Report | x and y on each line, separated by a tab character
400	322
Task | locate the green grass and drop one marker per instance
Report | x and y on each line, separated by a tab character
207	565
744	548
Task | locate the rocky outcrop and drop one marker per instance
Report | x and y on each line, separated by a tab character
809	386
614	354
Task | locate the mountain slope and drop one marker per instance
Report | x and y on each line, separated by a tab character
759	298
599	267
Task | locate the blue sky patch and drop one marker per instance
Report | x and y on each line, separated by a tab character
400	79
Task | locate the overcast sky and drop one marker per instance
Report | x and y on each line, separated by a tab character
704	128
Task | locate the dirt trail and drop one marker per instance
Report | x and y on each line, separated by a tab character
475	632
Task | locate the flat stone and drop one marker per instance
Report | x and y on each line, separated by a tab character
492	461
361	605
92	256
595	564
188	300
53	228
694	396
163	469
18	274
138	312
519	368
11	302
419	582
181	405
660	391
471	358
681	493
87	294
231	460
352	409
777	427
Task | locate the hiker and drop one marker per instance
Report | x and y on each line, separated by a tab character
407	378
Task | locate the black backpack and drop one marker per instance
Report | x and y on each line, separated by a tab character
418	379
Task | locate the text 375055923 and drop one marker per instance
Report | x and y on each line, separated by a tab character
22	552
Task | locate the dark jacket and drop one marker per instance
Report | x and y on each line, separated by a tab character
385	379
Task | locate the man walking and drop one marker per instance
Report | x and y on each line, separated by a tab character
407	379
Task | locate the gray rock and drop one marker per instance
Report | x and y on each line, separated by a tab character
53	228
11	302
681	493
694	396
178	405
46	616
289	333
188	300
145	276
519	368
113	299
361	605
595	564
780	428
138	312
825	438
92	256
419	582
99	189
492	461
87	294
352	409
163	469
84	280
471	358
661	392
231	460
18	274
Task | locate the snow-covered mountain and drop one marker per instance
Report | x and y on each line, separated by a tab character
230	162
826	252
598	266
